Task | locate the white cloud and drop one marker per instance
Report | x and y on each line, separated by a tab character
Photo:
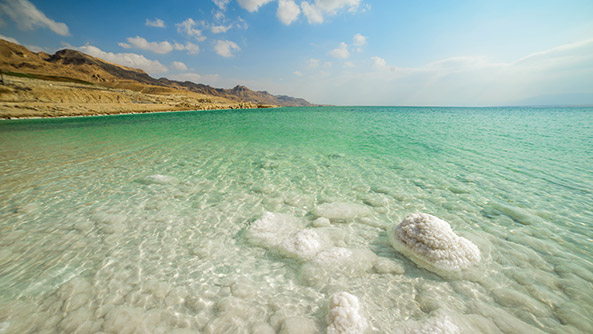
313	14
560	75
298	73
242	24
187	27
341	52
378	62
179	66
313	63
359	40
315	11
191	48
158	23
220	29
221	3
288	11
252	5
126	59
226	48
141	43
10	39
348	64
28	17
219	16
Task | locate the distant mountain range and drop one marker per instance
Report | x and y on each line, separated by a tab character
76	65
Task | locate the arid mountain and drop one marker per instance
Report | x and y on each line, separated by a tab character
77	65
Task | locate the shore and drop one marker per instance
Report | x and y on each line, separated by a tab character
22	97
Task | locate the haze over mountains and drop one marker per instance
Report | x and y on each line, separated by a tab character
79	66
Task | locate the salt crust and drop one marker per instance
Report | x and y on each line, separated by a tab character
431	243
284	234
344	315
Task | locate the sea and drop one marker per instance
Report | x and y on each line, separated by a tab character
144	223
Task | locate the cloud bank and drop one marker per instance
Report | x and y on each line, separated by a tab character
126	59
562	72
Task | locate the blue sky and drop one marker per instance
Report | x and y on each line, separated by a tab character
343	52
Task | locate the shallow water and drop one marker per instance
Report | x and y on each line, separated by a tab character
141	223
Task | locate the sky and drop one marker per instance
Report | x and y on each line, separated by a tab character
340	52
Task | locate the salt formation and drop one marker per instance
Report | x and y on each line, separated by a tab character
305	244
344	315
272	229
431	244
284	234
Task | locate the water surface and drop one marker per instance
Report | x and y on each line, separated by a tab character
137	223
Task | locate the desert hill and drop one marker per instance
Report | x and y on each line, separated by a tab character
79	74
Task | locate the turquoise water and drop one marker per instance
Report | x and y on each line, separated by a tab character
137	223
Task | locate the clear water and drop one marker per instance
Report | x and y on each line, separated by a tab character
137	223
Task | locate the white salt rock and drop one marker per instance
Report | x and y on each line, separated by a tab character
333	235
272	229
388	266
298	325
341	211
339	259
431	244
344	316
321	222
334	255
303	245
336	262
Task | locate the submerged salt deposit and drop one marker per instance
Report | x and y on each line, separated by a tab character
432	244
250	221
345	315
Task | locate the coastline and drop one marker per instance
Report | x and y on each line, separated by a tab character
12	116
29	98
